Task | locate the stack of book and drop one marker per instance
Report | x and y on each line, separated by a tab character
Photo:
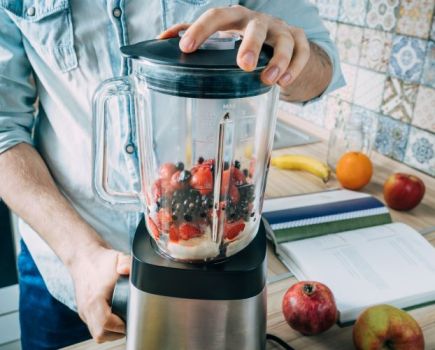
348	241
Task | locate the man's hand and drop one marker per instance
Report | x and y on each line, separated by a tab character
95	273
292	51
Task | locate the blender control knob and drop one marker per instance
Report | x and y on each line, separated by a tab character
120	297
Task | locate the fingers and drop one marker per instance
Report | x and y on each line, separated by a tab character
210	22
290	45
173	31
108	336
301	55
282	54
123	265
114	324
253	38
102	324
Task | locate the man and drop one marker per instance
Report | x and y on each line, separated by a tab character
53	55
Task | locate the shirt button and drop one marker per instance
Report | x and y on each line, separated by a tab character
31	11
117	12
129	148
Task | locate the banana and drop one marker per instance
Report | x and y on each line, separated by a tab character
301	162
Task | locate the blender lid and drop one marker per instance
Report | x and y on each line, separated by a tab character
211	55
209	72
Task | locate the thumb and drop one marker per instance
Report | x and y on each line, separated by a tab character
123	264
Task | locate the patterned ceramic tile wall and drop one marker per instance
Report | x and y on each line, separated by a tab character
387	49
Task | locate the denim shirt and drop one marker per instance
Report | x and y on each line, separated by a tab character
53	56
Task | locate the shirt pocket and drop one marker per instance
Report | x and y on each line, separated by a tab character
48	28
180	11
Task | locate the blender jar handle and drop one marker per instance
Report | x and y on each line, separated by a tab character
111	88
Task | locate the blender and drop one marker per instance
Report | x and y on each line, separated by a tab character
204	131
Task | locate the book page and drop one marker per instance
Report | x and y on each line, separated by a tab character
383	264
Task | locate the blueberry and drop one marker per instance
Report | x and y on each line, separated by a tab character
203	215
174	217
246	172
180	166
226	165
184	176
194	195
187	217
200	160
237	164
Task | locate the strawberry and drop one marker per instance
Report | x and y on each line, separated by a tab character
202	180
154	230
180	179
229	187
234	194
161	188
209	163
232	229
188	231
173	233
164	219
166	170
175	184
225	184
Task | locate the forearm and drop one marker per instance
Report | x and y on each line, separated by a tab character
29	190
313	80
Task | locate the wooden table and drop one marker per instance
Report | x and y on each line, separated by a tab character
282	183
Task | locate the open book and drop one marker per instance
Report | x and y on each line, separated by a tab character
378	262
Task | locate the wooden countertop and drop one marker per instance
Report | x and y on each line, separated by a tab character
282	183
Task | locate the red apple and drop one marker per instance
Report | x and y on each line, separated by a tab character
403	191
386	327
309	307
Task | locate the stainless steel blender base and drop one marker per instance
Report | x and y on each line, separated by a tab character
158	322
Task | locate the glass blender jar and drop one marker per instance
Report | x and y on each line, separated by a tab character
204	131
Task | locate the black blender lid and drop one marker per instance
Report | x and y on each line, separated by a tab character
167	52
206	73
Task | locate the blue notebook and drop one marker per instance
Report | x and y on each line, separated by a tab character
316	214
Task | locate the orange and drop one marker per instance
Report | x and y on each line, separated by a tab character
354	170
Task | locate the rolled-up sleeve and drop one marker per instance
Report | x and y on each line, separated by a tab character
17	92
304	15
